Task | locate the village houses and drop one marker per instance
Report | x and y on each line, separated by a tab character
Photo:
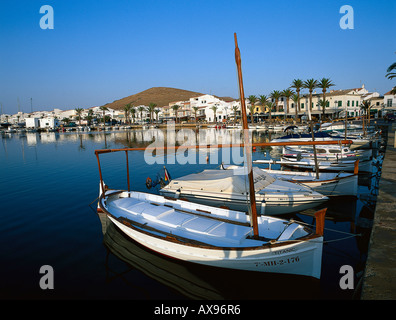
211	109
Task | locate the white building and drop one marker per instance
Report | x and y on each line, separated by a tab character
390	102
210	103
49	123
338	101
32	123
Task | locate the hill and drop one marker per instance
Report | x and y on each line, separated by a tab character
161	96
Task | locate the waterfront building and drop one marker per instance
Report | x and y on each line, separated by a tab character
390	102
49	123
337	103
32	123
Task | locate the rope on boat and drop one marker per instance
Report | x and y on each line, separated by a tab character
350	235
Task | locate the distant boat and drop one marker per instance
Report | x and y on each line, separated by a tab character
326	152
319	136
338	126
323	165
328	183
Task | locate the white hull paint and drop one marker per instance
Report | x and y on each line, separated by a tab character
329	184
270	204
292	259
301	256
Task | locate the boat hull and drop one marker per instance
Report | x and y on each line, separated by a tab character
297	258
329	184
275	204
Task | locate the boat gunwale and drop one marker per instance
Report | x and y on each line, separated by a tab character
138	227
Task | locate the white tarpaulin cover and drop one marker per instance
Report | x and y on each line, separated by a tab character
227	181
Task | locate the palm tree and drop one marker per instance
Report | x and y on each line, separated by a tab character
141	109
263	99
287	93
175	109
310	84
150	109
275	95
325	83
79	112
104	109
214	108
390	75
298	85
270	105
195	113
235	109
126	109
252	100
89	116
157	111
365	106
322	104
132	112
296	99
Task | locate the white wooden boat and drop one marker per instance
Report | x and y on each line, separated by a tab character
338	126
328	184
326	152
359	139
214	236
319	136
324	165
227	188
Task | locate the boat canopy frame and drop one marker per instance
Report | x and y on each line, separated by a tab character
218	146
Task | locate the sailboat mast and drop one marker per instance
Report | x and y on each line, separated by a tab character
247	143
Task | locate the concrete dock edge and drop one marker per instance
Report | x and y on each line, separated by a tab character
379	282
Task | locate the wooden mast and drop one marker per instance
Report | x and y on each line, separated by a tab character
247	143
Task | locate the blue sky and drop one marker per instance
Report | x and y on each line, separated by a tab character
101	51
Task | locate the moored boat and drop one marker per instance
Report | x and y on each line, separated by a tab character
323	165
326	152
227	188
329	183
215	236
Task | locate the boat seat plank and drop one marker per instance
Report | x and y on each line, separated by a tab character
174	218
286	235
225	230
130	205
181	220
199	225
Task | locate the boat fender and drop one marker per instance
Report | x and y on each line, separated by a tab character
148	183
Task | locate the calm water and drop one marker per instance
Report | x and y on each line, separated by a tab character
47	184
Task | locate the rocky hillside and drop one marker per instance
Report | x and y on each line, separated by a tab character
161	96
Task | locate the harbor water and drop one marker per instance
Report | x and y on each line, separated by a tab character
49	187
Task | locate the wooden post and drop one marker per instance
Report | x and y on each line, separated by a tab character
100	173
247	143
320	218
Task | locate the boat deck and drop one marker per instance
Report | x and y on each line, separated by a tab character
180	223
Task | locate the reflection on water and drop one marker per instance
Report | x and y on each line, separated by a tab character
201	282
54	177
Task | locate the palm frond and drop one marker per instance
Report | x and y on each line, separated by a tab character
391	67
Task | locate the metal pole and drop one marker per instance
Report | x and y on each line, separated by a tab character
127	165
